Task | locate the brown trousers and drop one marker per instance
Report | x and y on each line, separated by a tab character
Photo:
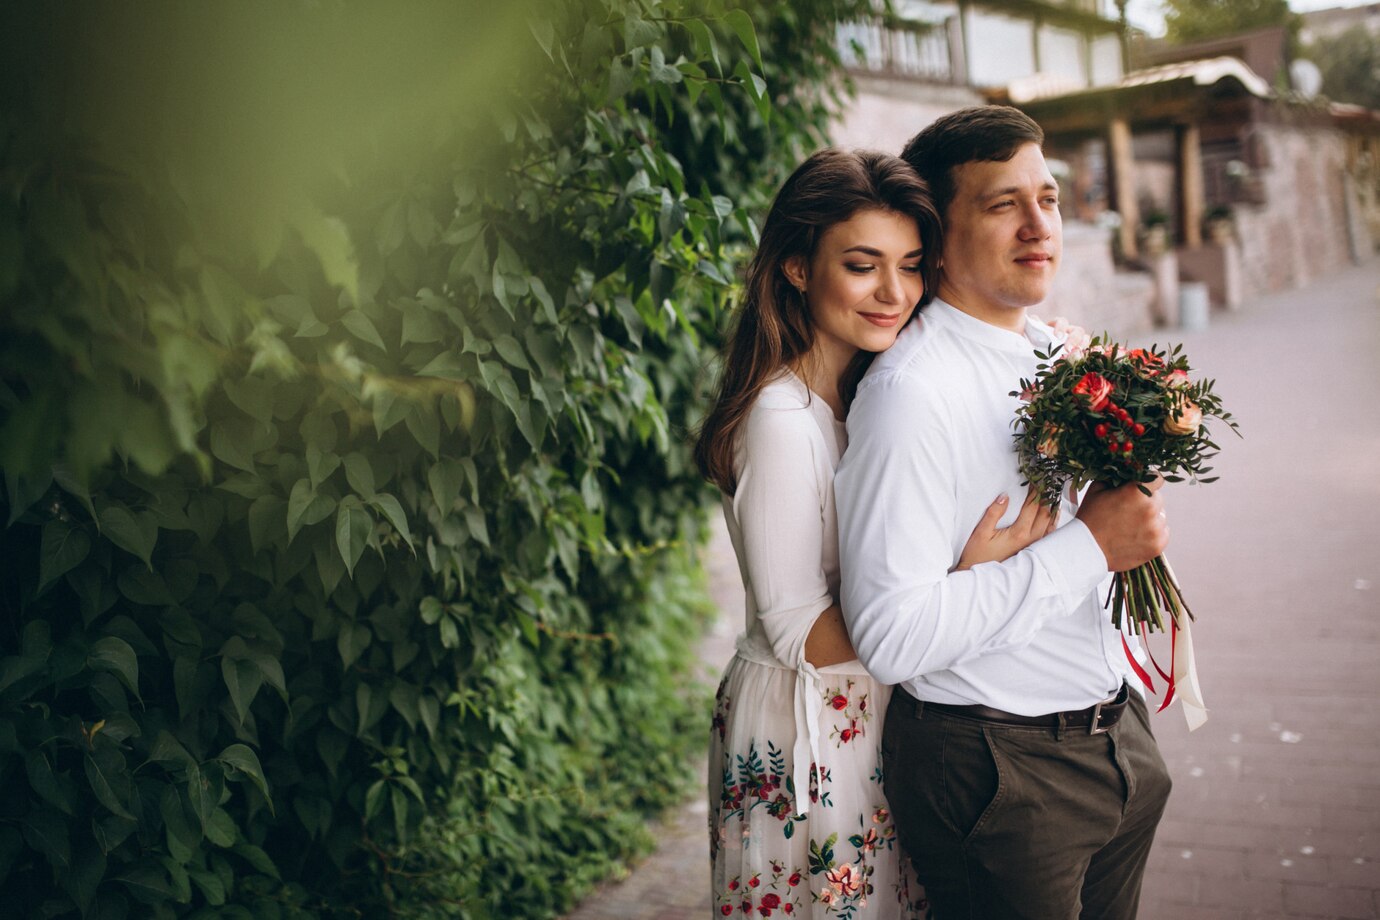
1017	823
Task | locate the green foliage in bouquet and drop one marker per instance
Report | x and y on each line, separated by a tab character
1112	415
347	358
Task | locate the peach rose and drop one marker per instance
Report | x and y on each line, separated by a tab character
1049	444
1184	420
1176	379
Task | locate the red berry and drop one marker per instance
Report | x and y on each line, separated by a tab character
1100	430
1139	429
1126	447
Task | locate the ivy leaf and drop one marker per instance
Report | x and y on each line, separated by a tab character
243	759
242	680
46	832
360	475
741	24
362	327
374	800
43	781
62	548
221	829
256	858
306	507
212	888
353	527
392	510
352	640
114	654
432	610
167	749
445	479
102	772
87	871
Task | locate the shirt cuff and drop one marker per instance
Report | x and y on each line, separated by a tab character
1073	559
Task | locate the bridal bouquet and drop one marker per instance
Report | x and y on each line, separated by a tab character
1100	412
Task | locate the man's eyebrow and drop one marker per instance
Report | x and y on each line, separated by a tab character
877	253
1013	189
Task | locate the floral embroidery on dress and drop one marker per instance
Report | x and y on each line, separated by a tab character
753	783
764	897
722	704
854	709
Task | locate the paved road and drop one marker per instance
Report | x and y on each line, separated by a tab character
1276	806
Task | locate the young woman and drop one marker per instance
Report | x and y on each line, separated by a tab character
798	823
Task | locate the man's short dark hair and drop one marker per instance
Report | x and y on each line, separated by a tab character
984	133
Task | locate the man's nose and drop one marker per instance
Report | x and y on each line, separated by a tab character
1037	224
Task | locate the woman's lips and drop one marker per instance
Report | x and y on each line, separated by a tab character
1034	260
885	320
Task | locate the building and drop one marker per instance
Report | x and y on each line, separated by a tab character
1192	168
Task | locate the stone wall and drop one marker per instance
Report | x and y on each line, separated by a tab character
1304	230
1090	292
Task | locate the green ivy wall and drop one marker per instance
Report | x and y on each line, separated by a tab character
347	364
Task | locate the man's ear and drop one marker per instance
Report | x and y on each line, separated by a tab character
794	270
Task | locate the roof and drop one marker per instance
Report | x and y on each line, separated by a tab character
1206	72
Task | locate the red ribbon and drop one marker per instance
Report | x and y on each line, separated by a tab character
1143	674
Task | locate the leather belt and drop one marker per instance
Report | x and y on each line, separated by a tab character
1098	717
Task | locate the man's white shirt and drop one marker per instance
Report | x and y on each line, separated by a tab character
930	446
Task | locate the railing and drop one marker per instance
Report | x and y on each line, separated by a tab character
898	48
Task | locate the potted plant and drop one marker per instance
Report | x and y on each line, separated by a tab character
1218	226
1154	232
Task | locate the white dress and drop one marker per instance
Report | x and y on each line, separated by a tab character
798	823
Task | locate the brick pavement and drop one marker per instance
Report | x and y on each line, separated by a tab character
1276	806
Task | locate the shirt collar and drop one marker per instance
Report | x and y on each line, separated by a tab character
1036	335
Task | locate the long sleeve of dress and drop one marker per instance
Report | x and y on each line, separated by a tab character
780	506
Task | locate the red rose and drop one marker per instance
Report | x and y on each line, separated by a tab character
789	908
846	734
1150	363
754	882
794	879
839	701
733	885
1097	388
771	900
726	909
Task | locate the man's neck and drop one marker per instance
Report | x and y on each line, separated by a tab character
1012	319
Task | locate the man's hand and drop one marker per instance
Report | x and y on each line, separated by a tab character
1129	526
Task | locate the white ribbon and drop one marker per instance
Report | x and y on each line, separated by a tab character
1186	686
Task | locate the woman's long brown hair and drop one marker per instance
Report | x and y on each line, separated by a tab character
772	329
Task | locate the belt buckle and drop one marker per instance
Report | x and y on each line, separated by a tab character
1093	727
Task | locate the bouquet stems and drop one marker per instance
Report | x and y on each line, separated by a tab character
1143	595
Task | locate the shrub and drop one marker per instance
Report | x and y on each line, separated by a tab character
345	373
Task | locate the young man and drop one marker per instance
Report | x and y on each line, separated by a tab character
1020	766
